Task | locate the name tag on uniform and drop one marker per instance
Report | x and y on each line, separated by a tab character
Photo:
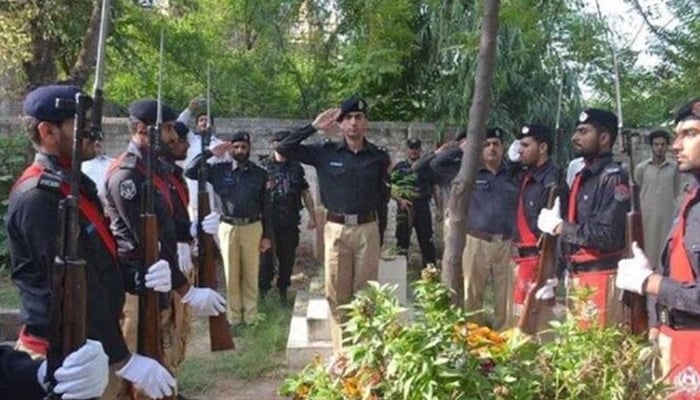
336	164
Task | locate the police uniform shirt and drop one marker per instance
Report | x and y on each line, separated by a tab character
601	208
350	182
286	182
124	193
241	188
18	375
33	226
536	192
493	202
673	294
425	179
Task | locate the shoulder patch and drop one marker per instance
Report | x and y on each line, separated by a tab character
49	181
612	169
127	189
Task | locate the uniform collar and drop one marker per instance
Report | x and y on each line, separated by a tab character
539	173
500	169
343	144
595	165
51	163
133	148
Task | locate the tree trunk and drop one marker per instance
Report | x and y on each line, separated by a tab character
41	68
462	186
85	62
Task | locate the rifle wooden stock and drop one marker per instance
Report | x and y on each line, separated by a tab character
634	306
219	334
149	333
547	258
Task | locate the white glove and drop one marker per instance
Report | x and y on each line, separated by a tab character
546	292
514	151
184	257
205	301
549	218
210	225
83	374
632	272
158	277
148	376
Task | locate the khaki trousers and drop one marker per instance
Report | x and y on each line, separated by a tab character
484	261
240	250
351	260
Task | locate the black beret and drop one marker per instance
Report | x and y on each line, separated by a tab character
600	117
146	111
494	133
40	103
539	132
659	133
280	135
181	129
688	111
240	136
413	143
352	104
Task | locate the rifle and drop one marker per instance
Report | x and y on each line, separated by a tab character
219	334
149	340
68	276
634	306
548	257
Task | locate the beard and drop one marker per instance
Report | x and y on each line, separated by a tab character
241	158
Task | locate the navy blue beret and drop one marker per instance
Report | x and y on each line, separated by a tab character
40	103
539	132
600	117
494	133
352	104
240	136
181	129
146	111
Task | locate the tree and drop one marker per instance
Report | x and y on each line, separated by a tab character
463	184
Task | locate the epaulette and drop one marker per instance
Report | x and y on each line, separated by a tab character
49	180
327	141
128	161
612	169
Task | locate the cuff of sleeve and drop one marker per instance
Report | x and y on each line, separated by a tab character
666	287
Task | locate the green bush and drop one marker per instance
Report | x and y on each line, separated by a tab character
441	355
13	159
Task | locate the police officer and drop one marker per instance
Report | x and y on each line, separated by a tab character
673	287
287	187
174	152
490	221
241	185
33	216
124	191
83	374
414	211
592	233
354	182
539	176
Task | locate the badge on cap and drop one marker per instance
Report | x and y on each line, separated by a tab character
583	116
127	189
360	105
525	130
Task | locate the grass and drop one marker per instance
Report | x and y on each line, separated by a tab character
260	349
9	295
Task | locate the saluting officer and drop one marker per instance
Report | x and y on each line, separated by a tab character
354	182
592	233
287	187
124	191
414	212
539	176
32	224
241	185
673	288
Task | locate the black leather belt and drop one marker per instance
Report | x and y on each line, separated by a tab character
676	319
239	220
528	251
594	266
351	219
488	237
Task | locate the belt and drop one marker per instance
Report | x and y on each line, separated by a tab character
676	319
528	251
351	219
488	237
594	266
239	220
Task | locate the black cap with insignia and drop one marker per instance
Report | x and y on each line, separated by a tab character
494	133
146	111
240	136
603	118
181	129
40	103
689	110
352	104
280	135
413	143
539	132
